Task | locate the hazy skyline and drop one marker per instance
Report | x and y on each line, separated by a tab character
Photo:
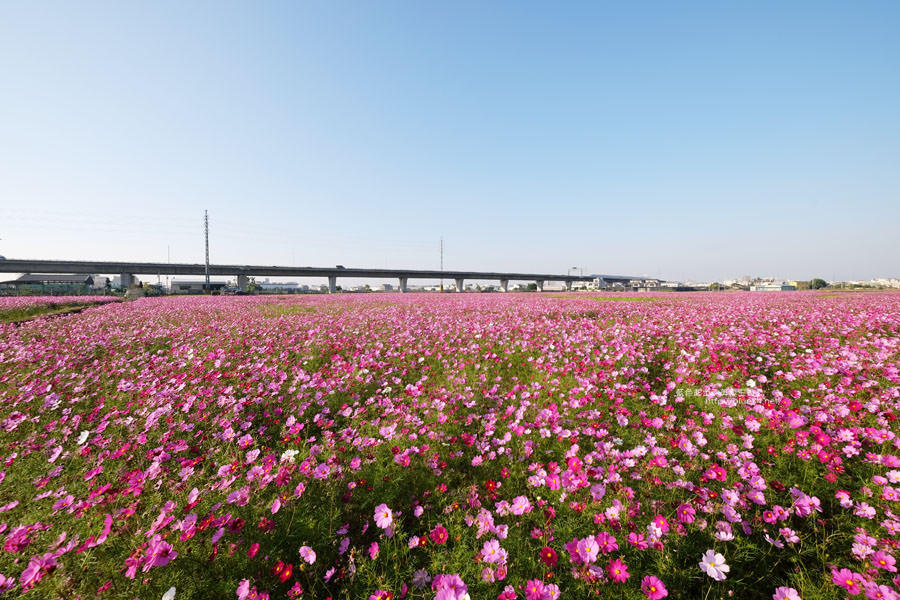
682	140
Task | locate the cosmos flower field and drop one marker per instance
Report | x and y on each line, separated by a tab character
446	447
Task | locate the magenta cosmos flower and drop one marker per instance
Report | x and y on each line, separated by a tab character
653	588
439	534
618	571
847	579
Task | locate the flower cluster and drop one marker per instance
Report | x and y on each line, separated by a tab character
516	446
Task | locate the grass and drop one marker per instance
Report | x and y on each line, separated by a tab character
27	313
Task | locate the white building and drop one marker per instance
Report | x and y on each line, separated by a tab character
773	287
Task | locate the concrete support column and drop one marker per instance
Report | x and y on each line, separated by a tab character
127	279
504	285
460	285
540	284
568	286
332	284
403	281
242	282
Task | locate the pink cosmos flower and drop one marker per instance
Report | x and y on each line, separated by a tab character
876	591
883	560
449	587
308	554
439	534
653	588
847	579
159	554
520	505
587	549
37	567
606	542
383	516
492	552
786	593
618	570
686	514
535	590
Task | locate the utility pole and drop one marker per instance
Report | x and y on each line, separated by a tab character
442	263
206	235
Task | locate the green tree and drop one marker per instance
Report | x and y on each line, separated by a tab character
817	284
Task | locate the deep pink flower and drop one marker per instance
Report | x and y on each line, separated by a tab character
883	560
438	535
159	554
618	570
37	567
847	579
534	590
254	548
653	588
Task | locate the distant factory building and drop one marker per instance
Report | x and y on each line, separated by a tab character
773	287
51	284
195	287
279	286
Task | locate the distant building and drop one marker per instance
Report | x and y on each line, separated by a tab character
771	286
279	286
52	284
100	282
195	287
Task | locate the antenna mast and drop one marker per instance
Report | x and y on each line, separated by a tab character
206	236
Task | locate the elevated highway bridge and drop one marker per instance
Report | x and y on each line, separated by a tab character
127	271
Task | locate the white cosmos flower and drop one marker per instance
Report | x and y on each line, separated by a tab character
713	564
170	594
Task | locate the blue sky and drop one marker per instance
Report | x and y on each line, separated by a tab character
674	139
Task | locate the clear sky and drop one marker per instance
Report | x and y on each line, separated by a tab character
699	140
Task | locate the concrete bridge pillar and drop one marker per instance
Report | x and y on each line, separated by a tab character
504	285
403	281
460	285
568	286
242	282
332	284
126	280
540	284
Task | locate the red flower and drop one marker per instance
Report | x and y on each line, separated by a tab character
548	556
